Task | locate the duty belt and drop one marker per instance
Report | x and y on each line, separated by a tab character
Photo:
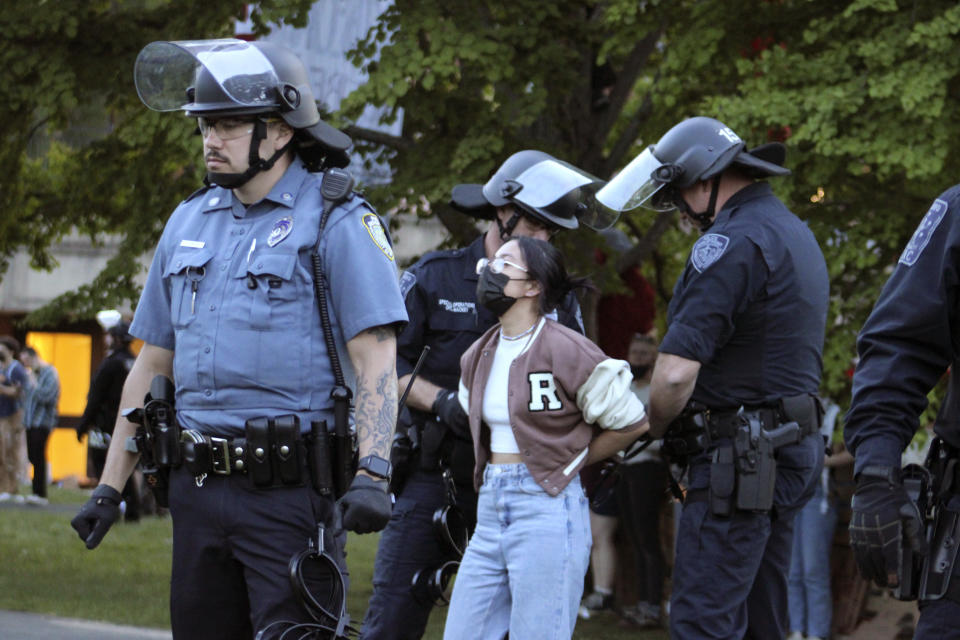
203	454
267	463
804	410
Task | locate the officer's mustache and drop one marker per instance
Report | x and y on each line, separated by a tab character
215	156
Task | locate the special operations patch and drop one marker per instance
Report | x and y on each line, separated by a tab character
708	250
372	224
407	280
922	235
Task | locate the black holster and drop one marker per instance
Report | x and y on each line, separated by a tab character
157	437
755	448
932	487
404	453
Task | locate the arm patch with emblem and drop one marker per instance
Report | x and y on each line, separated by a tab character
922	235
407	280
371	222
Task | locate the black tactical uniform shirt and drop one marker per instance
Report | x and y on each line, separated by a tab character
908	342
751	305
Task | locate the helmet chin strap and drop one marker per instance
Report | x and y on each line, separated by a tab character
506	230
256	163
704	219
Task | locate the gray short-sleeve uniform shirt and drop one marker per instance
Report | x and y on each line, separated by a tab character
230	291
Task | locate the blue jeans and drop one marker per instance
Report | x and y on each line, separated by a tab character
808	587
524	567
730	573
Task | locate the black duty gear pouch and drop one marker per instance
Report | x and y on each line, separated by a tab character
286	450
259	460
460	461
723	481
431	441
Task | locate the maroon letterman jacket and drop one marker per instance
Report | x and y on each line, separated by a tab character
547	423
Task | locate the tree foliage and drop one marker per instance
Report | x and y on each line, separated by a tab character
79	149
864	93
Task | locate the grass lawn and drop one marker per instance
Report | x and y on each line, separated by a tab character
46	569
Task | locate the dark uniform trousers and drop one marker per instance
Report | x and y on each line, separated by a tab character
730	573
232	544
409	544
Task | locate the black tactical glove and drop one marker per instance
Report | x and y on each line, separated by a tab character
365	505
97	515
449	412
883	518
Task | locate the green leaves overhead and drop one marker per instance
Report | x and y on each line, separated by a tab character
863	93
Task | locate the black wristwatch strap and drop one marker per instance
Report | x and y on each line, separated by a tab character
376	466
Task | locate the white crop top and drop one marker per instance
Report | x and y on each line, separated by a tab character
495	410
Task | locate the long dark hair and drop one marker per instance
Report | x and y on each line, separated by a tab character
545	265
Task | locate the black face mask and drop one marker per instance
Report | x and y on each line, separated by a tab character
639	371
490	292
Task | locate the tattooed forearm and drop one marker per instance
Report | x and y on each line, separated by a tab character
376	410
374	356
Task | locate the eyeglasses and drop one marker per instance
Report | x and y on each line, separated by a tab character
226	128
497	265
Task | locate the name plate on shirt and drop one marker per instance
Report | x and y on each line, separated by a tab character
193	244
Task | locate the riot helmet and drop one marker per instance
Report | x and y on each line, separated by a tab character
548	190
231	78
695	150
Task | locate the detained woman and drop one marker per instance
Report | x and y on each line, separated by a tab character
543	401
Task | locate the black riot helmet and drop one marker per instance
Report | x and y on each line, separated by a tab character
235	78
695	150
548	190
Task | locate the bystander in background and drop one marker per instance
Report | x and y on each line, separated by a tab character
808	585
13	378
39	417
103	403
640	494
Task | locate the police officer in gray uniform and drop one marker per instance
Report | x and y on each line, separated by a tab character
229	312
743	346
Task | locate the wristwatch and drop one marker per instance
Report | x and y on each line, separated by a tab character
376	466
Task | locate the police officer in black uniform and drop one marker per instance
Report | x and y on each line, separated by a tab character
440	293
743	348
907	344
103	402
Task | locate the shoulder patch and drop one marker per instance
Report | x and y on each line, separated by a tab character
922	235
407	280
371	222
708	250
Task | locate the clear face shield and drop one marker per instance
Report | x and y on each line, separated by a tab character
544	186
164	70
637	185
